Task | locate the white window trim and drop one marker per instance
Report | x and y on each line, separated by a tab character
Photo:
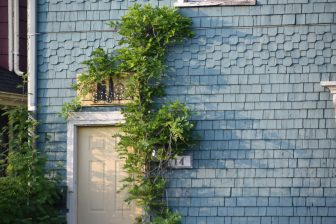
331	85
82	119
186	3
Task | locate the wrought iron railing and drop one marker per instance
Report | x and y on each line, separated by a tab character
111	91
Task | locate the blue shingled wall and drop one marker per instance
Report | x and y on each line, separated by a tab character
251	74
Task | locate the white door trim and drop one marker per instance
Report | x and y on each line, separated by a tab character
76	120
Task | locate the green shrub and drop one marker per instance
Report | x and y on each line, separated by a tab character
27	195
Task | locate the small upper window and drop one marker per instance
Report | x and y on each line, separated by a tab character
193	3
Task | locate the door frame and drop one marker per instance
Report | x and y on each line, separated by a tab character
80	119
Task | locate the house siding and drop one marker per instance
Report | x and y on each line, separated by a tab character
267	150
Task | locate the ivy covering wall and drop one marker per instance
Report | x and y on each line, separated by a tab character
152	133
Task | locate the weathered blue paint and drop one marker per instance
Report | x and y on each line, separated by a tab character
251	74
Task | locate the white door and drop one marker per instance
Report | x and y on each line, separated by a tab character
99	179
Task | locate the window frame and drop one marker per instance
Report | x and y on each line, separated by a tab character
200	3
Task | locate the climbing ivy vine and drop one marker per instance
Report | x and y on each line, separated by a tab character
152	133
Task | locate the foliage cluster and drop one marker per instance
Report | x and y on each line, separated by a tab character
27	196
152	134
101	67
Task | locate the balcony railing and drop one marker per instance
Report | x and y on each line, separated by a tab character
109	92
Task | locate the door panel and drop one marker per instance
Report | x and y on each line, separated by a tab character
99	179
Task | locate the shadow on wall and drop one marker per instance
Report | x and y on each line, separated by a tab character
267	128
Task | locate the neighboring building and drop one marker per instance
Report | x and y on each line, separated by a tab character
12	92
4	38
252	74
